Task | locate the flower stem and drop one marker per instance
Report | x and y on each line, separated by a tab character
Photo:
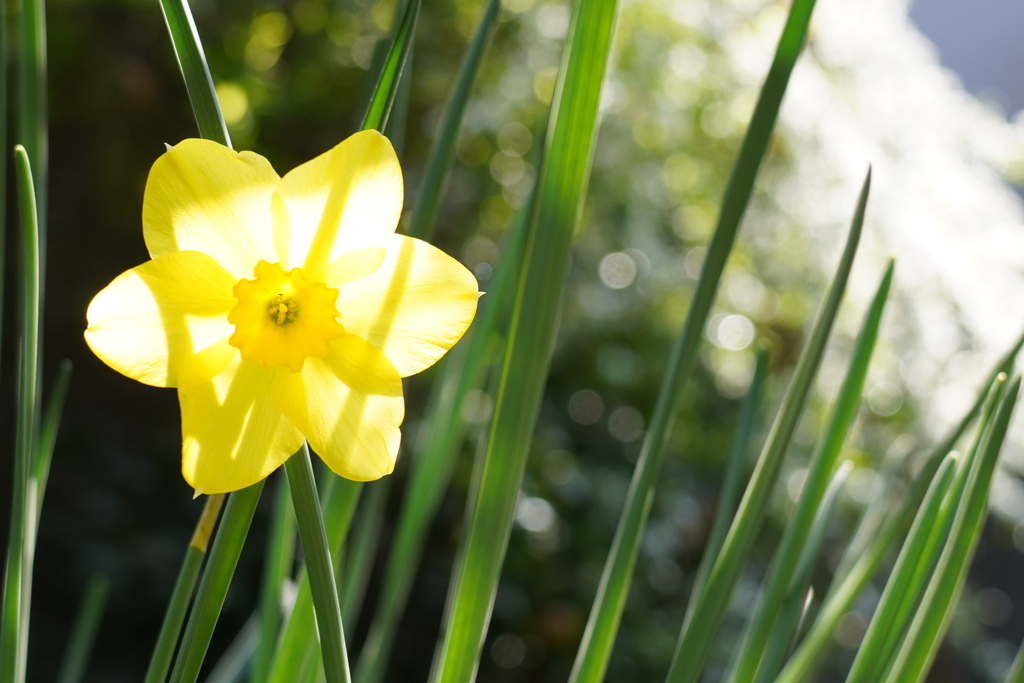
318	566
227	546
183	589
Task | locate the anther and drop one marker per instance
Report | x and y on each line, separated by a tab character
282	309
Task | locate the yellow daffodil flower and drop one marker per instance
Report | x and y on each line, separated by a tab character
281	308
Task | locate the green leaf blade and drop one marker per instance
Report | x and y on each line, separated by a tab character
798	590
17	594
887	623
192	60
377	112
213	588
277	568
699	629
822	464
591	662
936	611
181	596
463	370
561	188
365	541
435	176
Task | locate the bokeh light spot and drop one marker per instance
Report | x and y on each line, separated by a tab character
626	424
234	102
586	407
617	270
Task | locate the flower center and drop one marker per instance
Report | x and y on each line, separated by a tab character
269	329
283	308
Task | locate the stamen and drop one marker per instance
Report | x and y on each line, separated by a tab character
283	308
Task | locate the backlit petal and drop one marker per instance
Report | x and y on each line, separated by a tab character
349	406
204	196
346	199
165	322
232	433
414	307
353	265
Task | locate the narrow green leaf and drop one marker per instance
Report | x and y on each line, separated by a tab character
802	663
184	586
927	536
21	542
394	130
48	433
435	176
846	588
377	113
277	569
607	609
735	472
192	60
461	370
561	188
794	604
936	610
319	569
213	588
922	563
232	665
821	466
699	630
297	655
870	525
294	657
83	632
365	541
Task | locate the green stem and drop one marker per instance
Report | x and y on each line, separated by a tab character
160	661
213	588
318	565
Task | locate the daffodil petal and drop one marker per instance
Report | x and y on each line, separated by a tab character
232	433
414	307
349	405
354	265
346	199
204	196
164	323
